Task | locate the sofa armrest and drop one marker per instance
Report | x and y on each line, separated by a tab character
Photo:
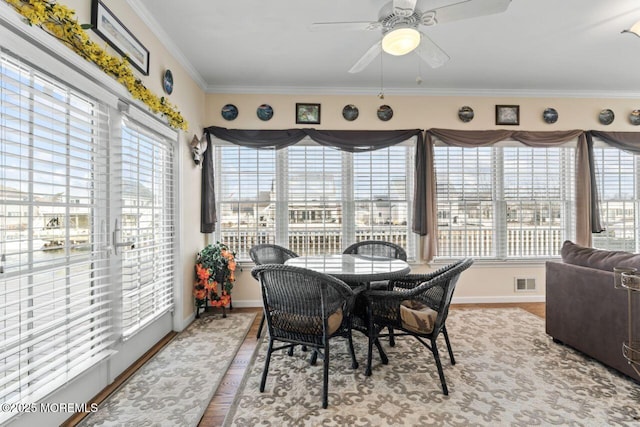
586	312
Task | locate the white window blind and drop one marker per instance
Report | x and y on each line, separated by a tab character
246	197
383	194
314	203
505	201
617	174
313	199
55	304
147	220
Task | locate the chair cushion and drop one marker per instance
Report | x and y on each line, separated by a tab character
417	317
306	324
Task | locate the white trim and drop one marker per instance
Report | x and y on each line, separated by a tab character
498	299
488	92
151	23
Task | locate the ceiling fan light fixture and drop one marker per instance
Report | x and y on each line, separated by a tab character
635	29
401	41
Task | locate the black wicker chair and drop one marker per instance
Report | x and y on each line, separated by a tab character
415	309
304	307
378	248
268	253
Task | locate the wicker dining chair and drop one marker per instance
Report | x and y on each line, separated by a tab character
380	248
377	248
268	253
305	307
417	310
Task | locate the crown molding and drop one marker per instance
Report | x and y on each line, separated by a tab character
153	25
453	92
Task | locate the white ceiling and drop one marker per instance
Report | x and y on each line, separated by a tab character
536	48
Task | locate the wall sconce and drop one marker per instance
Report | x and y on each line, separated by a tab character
635	29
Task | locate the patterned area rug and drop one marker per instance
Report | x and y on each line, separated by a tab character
172	389
508	372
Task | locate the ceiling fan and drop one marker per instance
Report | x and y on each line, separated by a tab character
399	22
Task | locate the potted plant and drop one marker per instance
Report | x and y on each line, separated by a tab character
215	274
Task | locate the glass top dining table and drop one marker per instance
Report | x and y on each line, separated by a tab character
353	269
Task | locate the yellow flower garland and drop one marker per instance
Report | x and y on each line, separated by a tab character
60	21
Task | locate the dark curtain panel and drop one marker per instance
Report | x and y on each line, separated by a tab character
355	141
264	139
208	215
352	141
627	141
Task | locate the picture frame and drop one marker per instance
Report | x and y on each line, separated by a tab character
109	27
507	114
307	114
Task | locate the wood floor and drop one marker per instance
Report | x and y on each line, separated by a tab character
221	402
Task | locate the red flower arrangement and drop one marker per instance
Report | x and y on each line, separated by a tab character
215	274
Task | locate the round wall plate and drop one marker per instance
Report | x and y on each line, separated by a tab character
634	117
350	112
606	117
385	113
550	115
167	82
265	112
229	112
465	114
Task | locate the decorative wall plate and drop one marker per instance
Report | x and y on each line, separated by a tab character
265	112
385	113
634	117
167	82
550	115
229	112
350	112
465	114
606	117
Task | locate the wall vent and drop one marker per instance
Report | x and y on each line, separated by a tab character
525	284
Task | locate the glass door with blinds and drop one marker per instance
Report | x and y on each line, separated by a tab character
86	232
144	224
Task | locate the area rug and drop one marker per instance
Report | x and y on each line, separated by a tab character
176	385
508	372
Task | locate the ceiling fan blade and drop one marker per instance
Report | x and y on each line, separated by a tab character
404	7
431	52
344	26
464	10
366	59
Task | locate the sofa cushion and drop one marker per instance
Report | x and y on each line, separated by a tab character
597	258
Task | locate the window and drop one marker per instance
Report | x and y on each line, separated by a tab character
617	174
70	166
507	201
55	307
313	199
147	218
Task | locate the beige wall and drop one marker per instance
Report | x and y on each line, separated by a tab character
482	283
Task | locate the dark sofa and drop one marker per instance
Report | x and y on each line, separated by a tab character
584	310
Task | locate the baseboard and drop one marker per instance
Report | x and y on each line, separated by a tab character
456	300
247	303
497	299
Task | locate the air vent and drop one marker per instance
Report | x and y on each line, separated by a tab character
525	284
